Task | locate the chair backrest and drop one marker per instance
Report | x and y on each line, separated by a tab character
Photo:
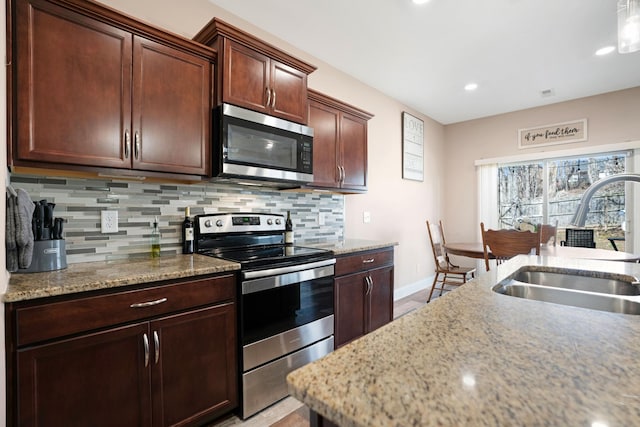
505	244
548	232
579	237
437	244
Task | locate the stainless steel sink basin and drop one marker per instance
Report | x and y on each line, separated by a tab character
578	281
596	291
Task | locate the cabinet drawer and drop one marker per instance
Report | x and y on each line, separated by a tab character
363	261
52	320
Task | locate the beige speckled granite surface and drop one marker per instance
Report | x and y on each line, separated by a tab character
89	276
475	357
347	246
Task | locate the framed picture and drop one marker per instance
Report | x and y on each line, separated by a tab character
557	133
412	147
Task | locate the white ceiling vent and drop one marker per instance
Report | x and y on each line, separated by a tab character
547	93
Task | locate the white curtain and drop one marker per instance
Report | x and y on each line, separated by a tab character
487	196
487	201
632	234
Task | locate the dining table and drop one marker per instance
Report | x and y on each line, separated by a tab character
475	250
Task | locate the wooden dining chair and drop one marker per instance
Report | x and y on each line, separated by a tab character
547	233
505	244
446	272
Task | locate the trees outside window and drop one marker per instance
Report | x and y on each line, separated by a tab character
550	190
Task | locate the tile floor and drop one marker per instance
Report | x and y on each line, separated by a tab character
290	412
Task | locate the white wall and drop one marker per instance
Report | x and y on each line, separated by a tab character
398	207
611	118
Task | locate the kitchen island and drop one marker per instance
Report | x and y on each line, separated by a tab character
475	357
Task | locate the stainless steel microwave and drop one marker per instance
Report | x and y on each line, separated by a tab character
251	146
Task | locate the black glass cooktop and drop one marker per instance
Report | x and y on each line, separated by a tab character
277	255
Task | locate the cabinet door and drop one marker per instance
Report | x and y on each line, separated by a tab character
380	304
73	87
194	365
324	121
350	320
246	76
353	141
171	109
289	93
98	379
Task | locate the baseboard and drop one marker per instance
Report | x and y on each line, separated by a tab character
412	288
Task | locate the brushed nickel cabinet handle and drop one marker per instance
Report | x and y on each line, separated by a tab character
344	174
369	282
268	97
148	303
145	341
127	144
368	261
273	100
156	342
136	140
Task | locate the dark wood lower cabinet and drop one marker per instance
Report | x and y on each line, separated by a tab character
317	420
195	370
363	294
92	380
173	369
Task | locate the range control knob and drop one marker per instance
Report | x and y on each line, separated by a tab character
219	223
269	221
207	223
278	221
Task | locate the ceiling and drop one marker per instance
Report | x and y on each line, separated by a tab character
424	55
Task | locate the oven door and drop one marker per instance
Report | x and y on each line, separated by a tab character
257	146
285	311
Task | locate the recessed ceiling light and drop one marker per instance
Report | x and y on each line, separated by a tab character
471	86
605	50
420	1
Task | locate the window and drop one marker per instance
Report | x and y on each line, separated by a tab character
546	191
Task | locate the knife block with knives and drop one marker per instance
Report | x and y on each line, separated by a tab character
49	248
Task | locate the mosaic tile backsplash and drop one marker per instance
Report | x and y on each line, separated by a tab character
80	201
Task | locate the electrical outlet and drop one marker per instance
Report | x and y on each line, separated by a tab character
366	217
109	221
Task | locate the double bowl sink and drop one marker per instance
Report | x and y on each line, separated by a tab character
617	293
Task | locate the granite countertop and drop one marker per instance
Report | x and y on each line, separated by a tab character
475	357
90	276
347	246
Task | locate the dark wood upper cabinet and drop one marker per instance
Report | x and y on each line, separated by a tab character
257	75
95	89
339	144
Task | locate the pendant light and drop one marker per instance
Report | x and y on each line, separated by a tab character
628	26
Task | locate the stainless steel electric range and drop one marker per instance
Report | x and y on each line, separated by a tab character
285	300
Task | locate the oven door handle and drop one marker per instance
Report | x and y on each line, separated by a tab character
285	270
287	279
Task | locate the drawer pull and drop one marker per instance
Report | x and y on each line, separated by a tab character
148	303
156	342
368	261
145	340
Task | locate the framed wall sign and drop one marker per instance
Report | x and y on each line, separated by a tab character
412	147
558	133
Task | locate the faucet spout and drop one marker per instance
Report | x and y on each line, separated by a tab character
580	217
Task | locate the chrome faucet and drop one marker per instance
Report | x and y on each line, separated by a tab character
580	217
